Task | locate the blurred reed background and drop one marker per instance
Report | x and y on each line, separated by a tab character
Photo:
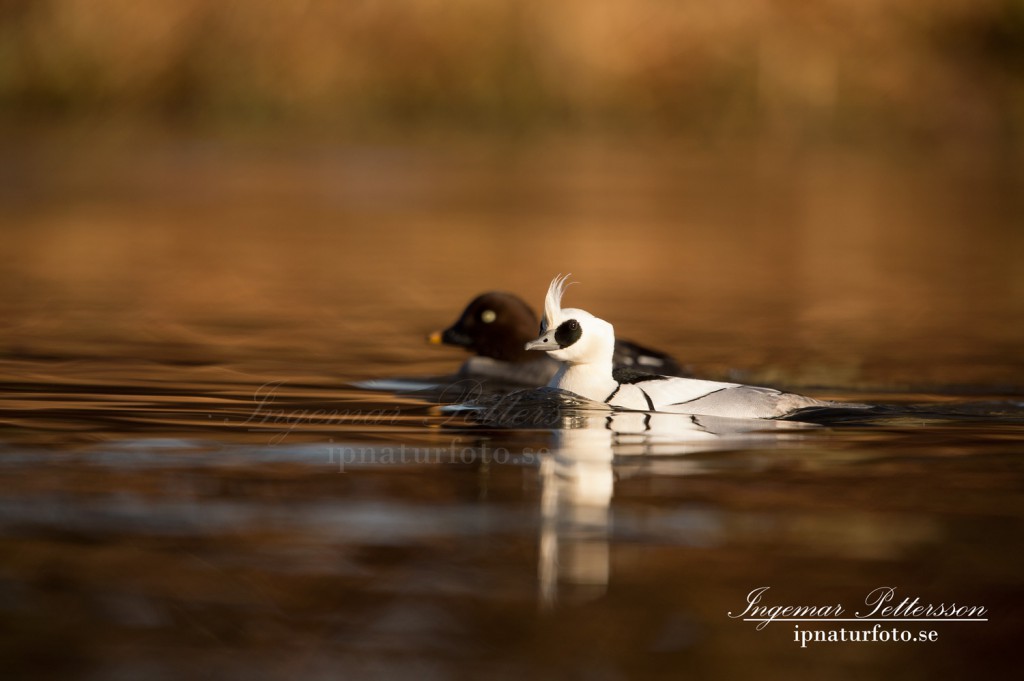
830	70
825	193
935	71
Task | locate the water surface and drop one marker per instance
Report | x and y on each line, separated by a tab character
196	485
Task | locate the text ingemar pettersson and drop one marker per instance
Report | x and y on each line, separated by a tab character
835	623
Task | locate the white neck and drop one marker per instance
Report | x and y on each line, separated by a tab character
592	380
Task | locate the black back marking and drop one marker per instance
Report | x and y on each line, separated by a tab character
650	403
629	375
614	393
699	398
630	354
568	333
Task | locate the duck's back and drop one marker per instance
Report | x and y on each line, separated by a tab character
712	398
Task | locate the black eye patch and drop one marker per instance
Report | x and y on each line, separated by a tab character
568	333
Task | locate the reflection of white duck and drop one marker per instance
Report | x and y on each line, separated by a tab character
577	484
584	345
578	481
669	434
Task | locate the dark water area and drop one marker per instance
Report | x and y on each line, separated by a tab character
201	477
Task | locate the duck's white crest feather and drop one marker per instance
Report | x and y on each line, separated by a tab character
553	300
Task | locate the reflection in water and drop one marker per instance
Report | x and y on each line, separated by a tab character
159	518
578	480
296	554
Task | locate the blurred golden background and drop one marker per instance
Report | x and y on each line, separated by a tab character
839	69
796	193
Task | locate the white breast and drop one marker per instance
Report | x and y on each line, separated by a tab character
584	381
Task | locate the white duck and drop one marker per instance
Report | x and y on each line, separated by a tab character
584	344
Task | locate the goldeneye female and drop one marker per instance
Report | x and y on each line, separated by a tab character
495	326
584	345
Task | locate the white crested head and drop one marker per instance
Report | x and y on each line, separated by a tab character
572	335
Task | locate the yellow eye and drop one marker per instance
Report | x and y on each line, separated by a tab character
488	316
